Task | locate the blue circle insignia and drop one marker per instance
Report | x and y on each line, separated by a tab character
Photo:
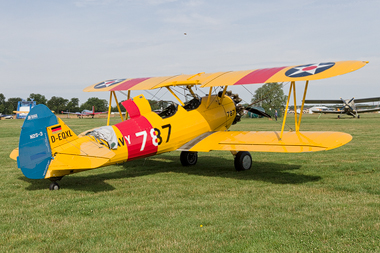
108	83
309	69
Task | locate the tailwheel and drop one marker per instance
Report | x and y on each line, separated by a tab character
188	158
54	186
243	161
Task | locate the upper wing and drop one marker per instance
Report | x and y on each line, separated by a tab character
366	100
266	75
291	142
320	101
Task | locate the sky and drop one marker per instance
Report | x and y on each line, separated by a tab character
58	48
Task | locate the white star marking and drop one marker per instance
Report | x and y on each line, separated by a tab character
310	69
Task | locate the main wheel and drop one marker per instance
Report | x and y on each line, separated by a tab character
243	161
54	186
188	158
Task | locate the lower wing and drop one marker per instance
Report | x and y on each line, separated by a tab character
291	142
331	112
368	110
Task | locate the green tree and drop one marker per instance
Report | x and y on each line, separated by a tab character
12	104
2	98
271	97
57	104
73	105
38	98
8	108
101	105
2	103
114	108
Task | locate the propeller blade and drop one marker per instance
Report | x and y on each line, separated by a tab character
258	112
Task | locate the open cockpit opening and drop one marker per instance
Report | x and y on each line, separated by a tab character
192	104
169	111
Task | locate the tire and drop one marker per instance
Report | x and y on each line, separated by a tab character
188	158
243	161
54	186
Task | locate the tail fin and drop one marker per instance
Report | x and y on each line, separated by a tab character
93	109
41	132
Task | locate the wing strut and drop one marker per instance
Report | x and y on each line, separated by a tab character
128	97
295	107
303	103
118	107
109	109
179	100
296	122
209	97
224	92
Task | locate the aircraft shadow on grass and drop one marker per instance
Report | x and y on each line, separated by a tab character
206	166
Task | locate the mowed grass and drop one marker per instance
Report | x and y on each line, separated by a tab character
307	202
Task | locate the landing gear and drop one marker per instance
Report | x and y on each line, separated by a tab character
188	158
243	161
54	186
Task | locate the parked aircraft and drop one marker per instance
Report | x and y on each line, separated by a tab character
318	109
83	113
349	106
6	116
49	149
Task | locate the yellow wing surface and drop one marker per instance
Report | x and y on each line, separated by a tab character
266	141
279	74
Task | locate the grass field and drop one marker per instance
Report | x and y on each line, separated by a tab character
308	202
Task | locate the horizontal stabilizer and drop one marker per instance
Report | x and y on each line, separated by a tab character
262	141
85	146
83	153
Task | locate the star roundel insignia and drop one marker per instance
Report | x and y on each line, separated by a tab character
108	83
309	69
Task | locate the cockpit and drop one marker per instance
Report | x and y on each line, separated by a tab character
173	107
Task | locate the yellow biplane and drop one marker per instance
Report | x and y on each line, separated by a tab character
49	149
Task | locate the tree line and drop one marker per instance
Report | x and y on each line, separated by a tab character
59	104
270	96
56	104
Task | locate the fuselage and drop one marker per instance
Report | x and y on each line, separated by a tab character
50	149
147	133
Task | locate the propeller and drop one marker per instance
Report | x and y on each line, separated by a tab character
345	103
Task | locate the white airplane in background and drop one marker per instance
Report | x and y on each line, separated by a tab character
348	107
